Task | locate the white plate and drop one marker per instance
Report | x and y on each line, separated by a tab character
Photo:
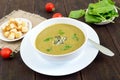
18	19
40	65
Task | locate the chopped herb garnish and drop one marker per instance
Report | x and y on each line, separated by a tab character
75	37
48	39
60	32
66	47
49	49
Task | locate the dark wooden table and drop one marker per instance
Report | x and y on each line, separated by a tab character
102	68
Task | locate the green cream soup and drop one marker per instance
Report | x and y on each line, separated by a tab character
59	39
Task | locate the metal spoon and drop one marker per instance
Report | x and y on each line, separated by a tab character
101	48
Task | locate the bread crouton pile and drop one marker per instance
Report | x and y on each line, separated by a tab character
15	29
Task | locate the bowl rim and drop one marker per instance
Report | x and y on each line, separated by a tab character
62	18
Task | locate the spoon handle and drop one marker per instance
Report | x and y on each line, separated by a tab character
101	48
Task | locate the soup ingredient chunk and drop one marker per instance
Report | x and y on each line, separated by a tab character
59	40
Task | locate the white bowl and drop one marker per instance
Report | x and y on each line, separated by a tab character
45	24
18	19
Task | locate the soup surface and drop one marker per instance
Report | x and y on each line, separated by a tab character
59	39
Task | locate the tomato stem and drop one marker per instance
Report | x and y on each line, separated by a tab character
53	9
12	55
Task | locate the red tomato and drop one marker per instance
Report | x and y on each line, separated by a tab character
57	15
50	7
6	53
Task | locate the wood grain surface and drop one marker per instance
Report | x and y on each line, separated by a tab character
102	68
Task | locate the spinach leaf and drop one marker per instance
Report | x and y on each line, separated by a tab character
97	12
110	1
92	19
77	14
100	11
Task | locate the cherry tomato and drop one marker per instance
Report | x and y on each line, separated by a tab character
50	7
6	53
57	15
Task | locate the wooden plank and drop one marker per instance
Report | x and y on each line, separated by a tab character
3	7
15	69
40	8
75	76
26	5
75	5
114	31
71	5
105	68
3	67
102	67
